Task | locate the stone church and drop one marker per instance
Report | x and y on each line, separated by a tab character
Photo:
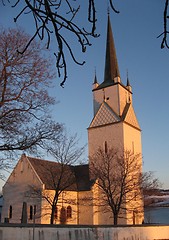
114	124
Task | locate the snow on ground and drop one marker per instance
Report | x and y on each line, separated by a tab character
158	200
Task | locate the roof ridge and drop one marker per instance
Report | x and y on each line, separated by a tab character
44	160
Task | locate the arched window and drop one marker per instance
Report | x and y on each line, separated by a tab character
63	215
10	211
31	212
56	213
69	212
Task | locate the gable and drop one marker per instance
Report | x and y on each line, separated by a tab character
129	116
105	115
23	174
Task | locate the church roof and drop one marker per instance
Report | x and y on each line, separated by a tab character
61	176
105	115
129	116
111	64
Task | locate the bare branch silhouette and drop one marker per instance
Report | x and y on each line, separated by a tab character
165	32
51	20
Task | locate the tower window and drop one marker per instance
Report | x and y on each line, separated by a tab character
10	211
105	146
63	215
69	212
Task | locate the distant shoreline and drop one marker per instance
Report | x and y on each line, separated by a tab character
157	206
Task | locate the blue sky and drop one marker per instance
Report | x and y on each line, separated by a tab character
135	32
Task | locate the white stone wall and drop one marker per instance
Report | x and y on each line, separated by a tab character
132	139
112	133
111	94
85	207
66	198
48	232
16	191
116	96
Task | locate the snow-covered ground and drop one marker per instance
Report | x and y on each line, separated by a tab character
162	199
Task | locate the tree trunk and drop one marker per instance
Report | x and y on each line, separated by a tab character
115	219
52	214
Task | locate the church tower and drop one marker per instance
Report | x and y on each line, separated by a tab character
114	123
114	120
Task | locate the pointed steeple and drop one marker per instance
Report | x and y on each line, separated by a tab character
111	64
128	83
95	78
95	83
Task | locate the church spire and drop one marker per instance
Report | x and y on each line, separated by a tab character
111	64
95	83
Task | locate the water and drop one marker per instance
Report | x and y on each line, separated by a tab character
157	215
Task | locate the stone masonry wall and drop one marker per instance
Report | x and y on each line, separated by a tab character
56	232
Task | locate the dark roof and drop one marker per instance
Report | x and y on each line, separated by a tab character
111	64
61	176
82	177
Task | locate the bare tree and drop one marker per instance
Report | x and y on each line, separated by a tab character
25	122
58	18
51	20
151	186
59	176
117	175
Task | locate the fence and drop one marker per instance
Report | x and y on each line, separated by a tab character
74	232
